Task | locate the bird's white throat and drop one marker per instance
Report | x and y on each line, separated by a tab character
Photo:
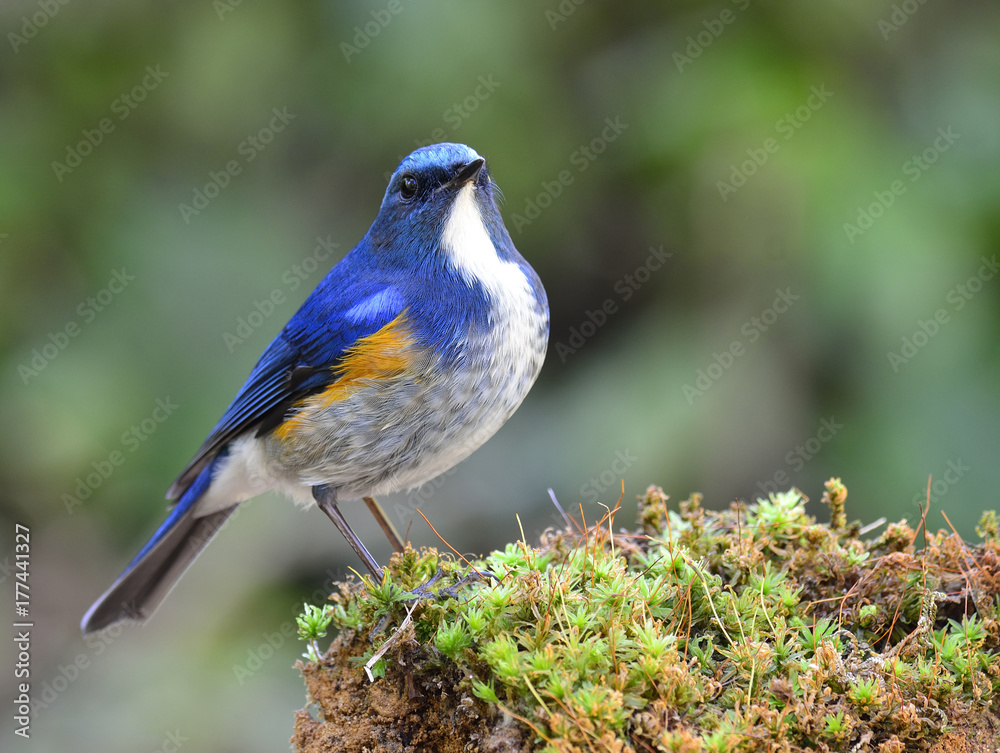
468	245
518	321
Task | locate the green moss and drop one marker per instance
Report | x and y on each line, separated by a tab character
752	629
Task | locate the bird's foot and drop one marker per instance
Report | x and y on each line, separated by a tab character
451	592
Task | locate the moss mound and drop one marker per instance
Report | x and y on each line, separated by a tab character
752	629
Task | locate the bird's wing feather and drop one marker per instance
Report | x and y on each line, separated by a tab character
301	360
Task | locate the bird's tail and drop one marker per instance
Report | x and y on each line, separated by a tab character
154	572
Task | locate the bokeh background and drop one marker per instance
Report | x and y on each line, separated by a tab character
768	232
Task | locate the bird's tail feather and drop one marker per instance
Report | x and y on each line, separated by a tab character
154	572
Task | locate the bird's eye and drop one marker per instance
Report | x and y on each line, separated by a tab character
408	187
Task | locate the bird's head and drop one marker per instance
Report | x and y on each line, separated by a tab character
438	190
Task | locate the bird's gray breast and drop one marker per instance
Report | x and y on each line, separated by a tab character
395	434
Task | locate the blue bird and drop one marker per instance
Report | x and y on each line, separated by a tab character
413	350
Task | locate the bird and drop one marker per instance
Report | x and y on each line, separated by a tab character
414	349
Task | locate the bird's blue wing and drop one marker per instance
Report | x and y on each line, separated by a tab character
302	359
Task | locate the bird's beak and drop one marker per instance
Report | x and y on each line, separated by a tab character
467	174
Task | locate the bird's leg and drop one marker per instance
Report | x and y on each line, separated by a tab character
387	527
326	498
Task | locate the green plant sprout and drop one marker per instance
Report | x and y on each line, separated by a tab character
313	624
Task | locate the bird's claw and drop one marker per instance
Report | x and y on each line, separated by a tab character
451	592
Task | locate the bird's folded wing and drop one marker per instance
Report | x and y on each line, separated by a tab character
304	359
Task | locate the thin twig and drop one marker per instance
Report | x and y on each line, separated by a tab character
388	643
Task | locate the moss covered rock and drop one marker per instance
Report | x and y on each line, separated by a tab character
752	629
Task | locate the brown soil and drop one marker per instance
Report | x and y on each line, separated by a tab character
978	732
416	707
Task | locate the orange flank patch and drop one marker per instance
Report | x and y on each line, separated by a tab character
381	355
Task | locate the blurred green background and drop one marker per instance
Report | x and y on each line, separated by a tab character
762	228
